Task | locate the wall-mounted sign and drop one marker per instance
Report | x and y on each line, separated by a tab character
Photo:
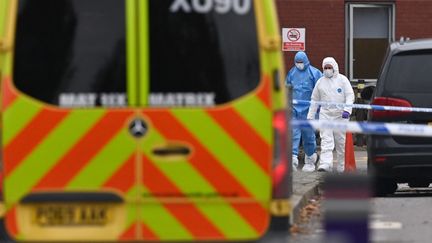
294	39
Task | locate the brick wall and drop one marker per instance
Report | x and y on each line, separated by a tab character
413	19
324	21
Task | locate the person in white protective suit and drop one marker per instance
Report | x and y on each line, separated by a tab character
332	87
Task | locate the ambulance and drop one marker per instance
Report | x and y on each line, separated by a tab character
143	120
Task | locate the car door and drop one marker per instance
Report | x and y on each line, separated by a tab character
206	156
69	152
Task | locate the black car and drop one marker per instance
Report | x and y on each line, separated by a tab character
405	80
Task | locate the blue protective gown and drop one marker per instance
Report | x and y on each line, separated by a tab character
302	82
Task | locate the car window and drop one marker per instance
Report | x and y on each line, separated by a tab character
71	52
202	53
410	72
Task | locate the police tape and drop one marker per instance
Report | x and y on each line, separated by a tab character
366	127
362	106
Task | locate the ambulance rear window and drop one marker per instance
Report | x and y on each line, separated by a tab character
72	52
202	53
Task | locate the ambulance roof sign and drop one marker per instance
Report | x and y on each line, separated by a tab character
294	39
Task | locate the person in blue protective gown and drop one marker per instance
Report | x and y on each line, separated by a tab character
303	77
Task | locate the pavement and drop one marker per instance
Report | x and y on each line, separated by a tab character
307	185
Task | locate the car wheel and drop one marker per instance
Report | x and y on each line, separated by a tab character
383	187
418	184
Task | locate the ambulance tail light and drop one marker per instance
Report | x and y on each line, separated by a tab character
2	204
1	185
280	159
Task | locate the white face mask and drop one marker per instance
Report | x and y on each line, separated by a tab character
300	66
328	73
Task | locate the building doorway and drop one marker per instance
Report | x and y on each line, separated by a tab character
370	29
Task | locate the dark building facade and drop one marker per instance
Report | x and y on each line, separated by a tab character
355	33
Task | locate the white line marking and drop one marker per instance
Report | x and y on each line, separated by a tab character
385	225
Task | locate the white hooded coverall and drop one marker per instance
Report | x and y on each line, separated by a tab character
335	89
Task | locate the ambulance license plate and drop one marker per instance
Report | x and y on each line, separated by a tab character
71	214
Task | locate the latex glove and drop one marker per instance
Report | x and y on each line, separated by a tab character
345	115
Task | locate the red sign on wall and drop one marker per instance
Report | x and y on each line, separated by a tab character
293	39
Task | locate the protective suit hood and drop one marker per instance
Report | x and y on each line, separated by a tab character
302	57
302	82
333	63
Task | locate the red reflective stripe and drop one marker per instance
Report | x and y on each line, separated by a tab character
148	234
9	94
187	213
244	135
130	233
11	222
264	92
124	178
24	143
208	166
254	214
84	150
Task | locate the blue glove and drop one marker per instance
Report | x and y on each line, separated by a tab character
345	115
